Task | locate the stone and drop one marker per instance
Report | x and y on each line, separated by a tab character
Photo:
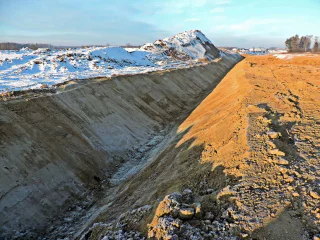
168	237
197	207
209	191
43	86
314	195
186	213
281	161
209	216
187	191
272	145
168	205
276	152
274	135
295	194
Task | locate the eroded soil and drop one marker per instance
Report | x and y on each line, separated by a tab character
244	164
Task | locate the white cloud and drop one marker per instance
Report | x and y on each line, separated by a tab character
251	24
219	18
223	2
173	7
220	27
198	3
192	20
217	10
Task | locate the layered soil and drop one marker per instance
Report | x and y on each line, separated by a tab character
169	155
62	150
243	165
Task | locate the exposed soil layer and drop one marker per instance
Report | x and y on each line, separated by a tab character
62	150
245	164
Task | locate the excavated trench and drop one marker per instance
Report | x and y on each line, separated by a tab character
66	156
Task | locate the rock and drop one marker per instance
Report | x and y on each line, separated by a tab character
207	222
43	86
314	195
209	216
281	161
225	214
177	223
187	195
168	237
272	145
169	204
187	191
244	235
186	213
209	191
197	207
288	179
295	194
276	152
274	135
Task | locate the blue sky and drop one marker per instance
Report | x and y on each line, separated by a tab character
240	23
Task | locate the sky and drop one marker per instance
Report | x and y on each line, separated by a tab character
233	23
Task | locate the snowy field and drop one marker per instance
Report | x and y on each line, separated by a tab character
29	69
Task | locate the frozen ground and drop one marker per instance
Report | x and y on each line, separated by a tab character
27	69
288	56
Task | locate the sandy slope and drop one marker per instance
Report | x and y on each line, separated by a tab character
249	155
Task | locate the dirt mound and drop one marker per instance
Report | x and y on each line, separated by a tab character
243	165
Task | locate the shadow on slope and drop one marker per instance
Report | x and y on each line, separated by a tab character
174	169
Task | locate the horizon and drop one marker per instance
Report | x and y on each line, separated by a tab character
226	23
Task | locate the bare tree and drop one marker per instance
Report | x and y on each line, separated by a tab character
316	45
307	42
295	43
289	44
299	44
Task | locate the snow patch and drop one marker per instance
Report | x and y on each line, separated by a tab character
26	68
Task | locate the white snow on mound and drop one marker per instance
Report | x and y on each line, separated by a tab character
26	68
185	46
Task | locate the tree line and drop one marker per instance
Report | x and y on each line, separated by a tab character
18	46
302	44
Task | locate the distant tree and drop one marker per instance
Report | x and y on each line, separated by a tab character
307	43
289	44
316	45
128	45
33	46
295	43
17	46
299	44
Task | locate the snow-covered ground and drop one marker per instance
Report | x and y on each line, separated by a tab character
288	56
27	69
